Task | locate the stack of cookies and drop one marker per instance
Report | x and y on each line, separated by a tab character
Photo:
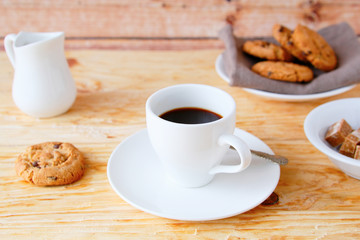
290	61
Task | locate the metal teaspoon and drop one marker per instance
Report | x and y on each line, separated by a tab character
274	158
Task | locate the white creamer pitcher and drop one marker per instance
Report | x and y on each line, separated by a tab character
43	85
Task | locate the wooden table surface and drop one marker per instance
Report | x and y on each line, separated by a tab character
316	200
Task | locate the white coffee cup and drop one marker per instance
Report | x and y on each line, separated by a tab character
191	154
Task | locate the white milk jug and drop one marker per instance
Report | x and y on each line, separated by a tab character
43	85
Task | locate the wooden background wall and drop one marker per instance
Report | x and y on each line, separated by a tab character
188	23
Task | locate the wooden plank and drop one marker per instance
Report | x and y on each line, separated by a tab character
316	199
140	44
144	44
171	19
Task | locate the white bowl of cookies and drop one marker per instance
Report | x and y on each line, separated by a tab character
334	129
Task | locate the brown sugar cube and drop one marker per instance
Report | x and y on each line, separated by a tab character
357	152
349	145
337	132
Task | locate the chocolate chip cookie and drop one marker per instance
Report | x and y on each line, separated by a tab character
283	71
266	50
50	164
284	36
315	48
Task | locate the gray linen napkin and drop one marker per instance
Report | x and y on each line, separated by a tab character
341	38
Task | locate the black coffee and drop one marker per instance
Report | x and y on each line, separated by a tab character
190	115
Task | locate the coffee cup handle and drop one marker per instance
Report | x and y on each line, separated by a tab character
241	148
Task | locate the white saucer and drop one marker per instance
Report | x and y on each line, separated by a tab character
220	69
136	175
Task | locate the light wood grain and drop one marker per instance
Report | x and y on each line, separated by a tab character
144	44
171	19
316	200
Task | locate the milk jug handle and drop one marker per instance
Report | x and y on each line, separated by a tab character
9	47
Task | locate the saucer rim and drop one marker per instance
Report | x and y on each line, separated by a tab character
193	219
279	96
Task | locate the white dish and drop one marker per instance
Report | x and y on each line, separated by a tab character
220	69
318	121
136	175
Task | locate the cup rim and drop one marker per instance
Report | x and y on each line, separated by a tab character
224	118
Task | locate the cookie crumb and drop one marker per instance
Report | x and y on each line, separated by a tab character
271	200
